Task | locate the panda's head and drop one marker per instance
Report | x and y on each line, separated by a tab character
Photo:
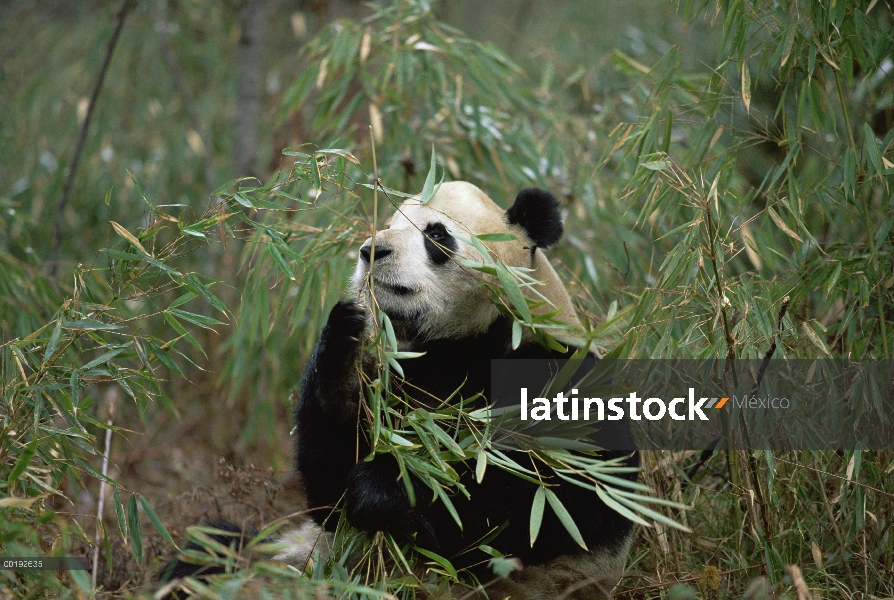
417	279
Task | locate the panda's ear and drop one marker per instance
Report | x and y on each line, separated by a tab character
537	211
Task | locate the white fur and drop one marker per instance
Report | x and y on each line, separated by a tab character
448	300
301	543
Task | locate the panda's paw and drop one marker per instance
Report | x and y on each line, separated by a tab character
377	500
345	325
330	383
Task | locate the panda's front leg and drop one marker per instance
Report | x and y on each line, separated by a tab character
377	500
326	415
329	440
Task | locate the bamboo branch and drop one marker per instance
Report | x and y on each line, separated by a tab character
709	450
112	396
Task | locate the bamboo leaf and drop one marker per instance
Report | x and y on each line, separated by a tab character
405	354
243	200
163	357
279	261
53	341
156	522
537	513
195	319
497	237
648	512
871	146
389	330
620	508
89	324
392	362
516	334
399	440
448	504
11	502
781	224
317	178
429	189
746	86
120	230
140	190
23	462
104	358
86	466
200	288
480	465
133	526
565	517
510	286
830	284
787	44
342	153
226	186
439	560
119	510
813	337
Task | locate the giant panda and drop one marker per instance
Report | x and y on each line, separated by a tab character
440	308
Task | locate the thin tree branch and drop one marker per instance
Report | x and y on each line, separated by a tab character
53	268
709	450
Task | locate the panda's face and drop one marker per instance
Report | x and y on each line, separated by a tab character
416	275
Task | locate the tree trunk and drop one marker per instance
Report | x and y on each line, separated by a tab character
249	86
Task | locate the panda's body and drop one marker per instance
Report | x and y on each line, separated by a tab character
440	307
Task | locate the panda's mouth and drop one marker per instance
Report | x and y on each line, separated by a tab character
397	290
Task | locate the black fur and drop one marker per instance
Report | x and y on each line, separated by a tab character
326	414
329	439
439	244
538	212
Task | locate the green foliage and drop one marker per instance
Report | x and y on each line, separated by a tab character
818	204
703	192
765	181
140	124
97	338
104	335
25	291
419	82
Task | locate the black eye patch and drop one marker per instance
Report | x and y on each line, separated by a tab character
438	243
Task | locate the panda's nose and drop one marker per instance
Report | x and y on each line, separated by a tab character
381	252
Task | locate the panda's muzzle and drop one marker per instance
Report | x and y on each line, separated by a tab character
381	252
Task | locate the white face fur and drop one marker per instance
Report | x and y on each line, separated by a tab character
420	282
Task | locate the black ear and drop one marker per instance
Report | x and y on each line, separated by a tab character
538	212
